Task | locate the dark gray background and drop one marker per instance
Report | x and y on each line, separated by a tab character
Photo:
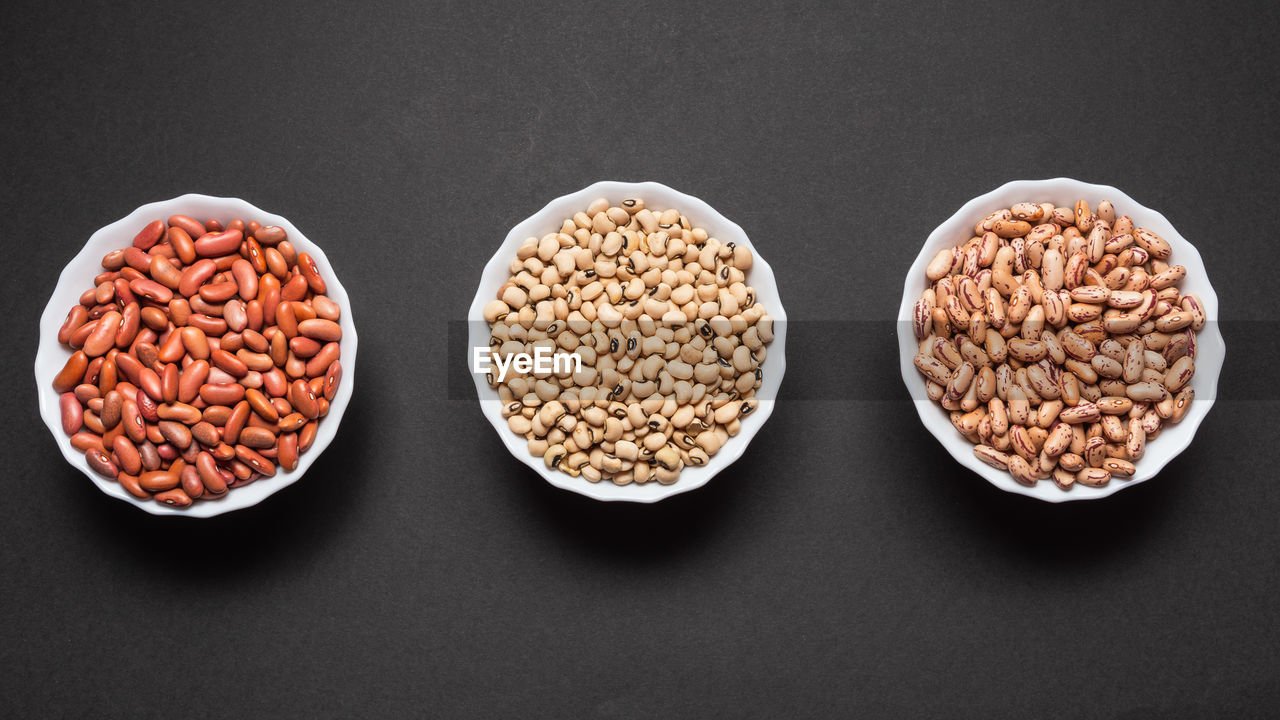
845	566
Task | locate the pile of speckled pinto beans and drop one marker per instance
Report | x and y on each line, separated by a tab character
1058	340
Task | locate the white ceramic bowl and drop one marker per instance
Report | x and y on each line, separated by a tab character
549	219
958	229
78	277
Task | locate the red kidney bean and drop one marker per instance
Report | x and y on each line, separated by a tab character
319	365
180	411
195	342
83	332
228	363
165	273
192	378
207	467
77	317
158	480
127	455
190	482
101	463
72	373
233	313
291	422
326	308
130	319
149	382
218	292
261	405
189	225
286	321
169	383
307	435
151	290
72	412
270	235
254	341
268	295
222	452
208	325
319	329
257	438
205	433
148	354
176	433
106	293
103	337
113	260
256	461
307	266
236	422
303	399
293	290
190	452
130	484
83	441
246	277
182	244
134	426
195	275
151	459
243	473
91	372
171	349
93	424
218	243
154	318
253	361
149	235
107	374
123	292
287	451
275	262
112	406
227	394
136	259
130	365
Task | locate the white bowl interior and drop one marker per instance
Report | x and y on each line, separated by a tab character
655	195
1211	350
78	276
